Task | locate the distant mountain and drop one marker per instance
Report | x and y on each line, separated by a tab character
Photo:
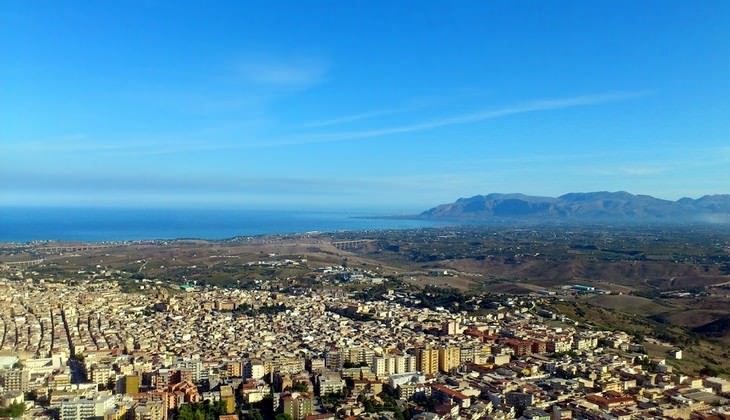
592	206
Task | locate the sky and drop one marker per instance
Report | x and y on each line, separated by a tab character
372	105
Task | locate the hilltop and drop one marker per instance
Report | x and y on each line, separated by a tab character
591	206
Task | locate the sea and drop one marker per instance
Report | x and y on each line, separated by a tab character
24	224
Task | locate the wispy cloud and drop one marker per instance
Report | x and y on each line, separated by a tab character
414	104
693	161
358	117
475	117
639	170
202	142
288	72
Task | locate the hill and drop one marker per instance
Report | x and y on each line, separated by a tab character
593	206
717	328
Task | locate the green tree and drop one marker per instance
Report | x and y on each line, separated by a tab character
185	412
709	371
283	416
300	387
255	415
13	410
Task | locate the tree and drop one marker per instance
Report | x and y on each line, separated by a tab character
300	387
13	410
185	412
350	365
283	416
255	415
265	407
709	371
201	411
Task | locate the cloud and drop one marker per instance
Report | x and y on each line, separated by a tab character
90	181
358	117
635	170
202	142
415	104
475	117
296	72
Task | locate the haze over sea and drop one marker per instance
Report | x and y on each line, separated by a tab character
22	224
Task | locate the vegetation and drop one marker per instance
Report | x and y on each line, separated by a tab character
263	409
389	403
254	415
350	365
13	410
709	371
433	297
202	411
300	387
332	400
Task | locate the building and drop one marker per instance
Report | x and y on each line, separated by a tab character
446	394
254	391
519	347
409	390
449	358
131	384
330	383
77	409
150	406
472	354
381	366
450	327
194	366
254	369
83	408
427	361
538	346
718	385
359	356
333	360
316	365
610	400
14	380
297	404
408	364
234	369
102	374
501	359
162	378
585	343
558	345
229	398
519	399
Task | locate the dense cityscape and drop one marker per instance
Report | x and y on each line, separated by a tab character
87	348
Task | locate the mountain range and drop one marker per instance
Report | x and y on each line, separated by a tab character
591	206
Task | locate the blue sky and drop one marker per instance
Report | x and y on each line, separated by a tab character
392	106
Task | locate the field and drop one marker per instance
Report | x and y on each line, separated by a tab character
630	304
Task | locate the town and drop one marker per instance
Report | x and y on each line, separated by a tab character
90	350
